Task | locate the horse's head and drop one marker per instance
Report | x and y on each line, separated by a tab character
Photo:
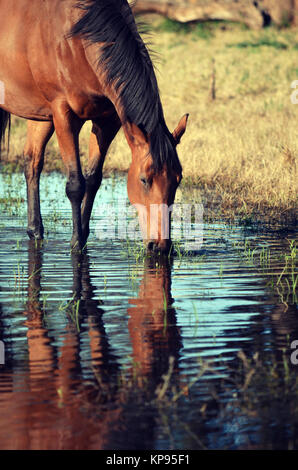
151	187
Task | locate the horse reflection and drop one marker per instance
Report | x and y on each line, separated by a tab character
39	348
156	344
66	400
54	408
152	321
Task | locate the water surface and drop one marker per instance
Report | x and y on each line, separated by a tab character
108	350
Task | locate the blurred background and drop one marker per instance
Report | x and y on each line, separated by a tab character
254	14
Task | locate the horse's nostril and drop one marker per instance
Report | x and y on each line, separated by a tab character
164	246
151	246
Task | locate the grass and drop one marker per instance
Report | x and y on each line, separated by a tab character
278	269
274	380
262	41
240	148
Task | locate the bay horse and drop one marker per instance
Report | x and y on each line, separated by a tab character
64	62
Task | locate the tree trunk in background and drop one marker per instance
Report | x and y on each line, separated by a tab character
255	14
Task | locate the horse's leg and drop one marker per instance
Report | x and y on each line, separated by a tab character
68	126
103	132
38	135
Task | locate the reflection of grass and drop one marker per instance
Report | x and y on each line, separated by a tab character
19	278
279	270
74	313
134	249
72	308
240	149
259	391
254	397
266	388
286	283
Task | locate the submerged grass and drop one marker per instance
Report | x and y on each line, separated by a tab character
240	148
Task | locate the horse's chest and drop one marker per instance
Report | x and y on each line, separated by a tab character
90	106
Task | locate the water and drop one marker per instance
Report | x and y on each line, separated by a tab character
104	350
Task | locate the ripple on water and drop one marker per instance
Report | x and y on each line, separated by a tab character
78	329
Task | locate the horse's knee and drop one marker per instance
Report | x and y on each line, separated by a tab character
75	188
93	181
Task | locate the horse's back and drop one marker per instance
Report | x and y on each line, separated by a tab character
30	34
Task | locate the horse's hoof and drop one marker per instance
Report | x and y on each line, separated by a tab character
35	234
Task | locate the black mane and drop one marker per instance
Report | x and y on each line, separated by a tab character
129	68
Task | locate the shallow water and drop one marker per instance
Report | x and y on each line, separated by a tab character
106	350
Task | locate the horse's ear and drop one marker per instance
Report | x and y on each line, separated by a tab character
136	134
180	129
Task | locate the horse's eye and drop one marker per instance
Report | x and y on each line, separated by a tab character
144	180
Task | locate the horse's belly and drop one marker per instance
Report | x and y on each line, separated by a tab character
21	103
20	94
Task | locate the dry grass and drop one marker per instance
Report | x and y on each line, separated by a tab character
241	145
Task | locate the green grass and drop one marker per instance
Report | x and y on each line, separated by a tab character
201	30
279	270
171	26
261	42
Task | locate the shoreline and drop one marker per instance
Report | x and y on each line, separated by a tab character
270	219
